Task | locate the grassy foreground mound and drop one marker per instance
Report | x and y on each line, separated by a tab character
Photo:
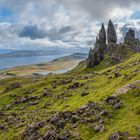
84	104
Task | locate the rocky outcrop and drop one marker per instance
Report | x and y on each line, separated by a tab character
96	55
111	33
131	41
91	59
115	52
118	136
130	36
13	86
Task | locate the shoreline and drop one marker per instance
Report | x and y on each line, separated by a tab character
56	66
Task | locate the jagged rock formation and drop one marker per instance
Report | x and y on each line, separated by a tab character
96	55
130	36
90	60
131	41
102	41
111	33
116	52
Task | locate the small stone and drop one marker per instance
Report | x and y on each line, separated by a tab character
84	94
117	74
104	113
50	135
99	128
118	105
2	127
60	124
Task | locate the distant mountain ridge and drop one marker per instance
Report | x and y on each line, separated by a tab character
43	52
28	53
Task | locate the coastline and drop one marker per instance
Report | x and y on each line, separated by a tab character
56	66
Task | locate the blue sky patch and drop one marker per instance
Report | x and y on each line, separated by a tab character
136	15
6	15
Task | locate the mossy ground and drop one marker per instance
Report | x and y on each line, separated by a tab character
100	82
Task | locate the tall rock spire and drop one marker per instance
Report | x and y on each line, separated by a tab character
111	33
102	35
102	41
96	55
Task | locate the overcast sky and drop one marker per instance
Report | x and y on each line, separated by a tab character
28	24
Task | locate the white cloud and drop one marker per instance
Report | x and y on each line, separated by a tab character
118	13
66	23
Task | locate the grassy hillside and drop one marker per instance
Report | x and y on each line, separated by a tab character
76	105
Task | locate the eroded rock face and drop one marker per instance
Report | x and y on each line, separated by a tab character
111	33
131	41
115	53
96	55
90	60
130	36
102	42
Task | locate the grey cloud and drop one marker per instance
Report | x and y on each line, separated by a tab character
100	9
60	34
63	20
35	32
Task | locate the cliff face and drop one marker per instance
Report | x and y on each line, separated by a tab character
112	49
131	41
96	55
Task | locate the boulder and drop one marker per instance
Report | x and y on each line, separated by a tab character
2	114
54	119
118	136
112	100
117	74
47	92
33	103
118	105
14	114
99	128
2	127
84	93
65	135
104	113
60	124
31	132
75	85
50	135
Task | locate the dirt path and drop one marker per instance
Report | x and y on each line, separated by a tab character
124	89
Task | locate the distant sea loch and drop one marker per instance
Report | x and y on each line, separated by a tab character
10	59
